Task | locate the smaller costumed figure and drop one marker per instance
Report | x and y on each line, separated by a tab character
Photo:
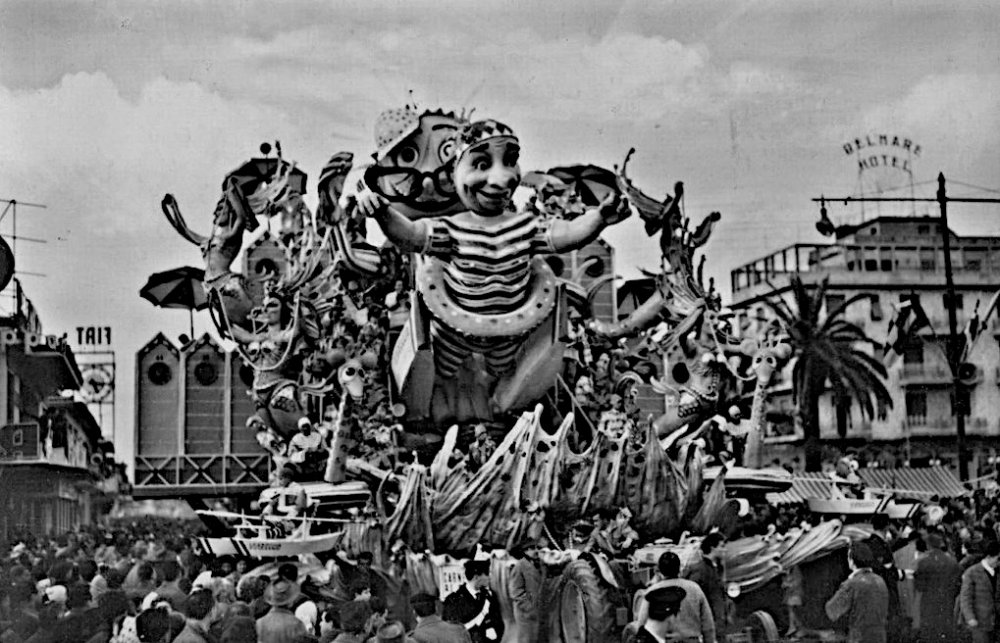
482	447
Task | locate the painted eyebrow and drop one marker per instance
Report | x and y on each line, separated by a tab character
479	147
439	126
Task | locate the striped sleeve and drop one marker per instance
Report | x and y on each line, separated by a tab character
439	239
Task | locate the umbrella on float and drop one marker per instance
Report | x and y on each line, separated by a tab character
177	288
592	183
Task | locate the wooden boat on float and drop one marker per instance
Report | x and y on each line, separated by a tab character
320	528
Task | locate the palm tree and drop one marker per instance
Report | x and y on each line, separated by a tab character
829	350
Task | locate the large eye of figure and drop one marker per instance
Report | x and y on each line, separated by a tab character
407	155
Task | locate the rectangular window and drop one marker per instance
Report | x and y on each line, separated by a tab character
876	308
923	229
17	438
882	411
928	258
885	259
916	405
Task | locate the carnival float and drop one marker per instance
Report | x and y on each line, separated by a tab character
404	392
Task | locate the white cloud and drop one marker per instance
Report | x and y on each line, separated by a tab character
956	119
86	149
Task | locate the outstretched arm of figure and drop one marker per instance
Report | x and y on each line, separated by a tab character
409	236
570	235
240	335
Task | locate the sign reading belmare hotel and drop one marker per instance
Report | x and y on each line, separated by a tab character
882	150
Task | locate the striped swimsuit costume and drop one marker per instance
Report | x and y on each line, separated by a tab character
487	270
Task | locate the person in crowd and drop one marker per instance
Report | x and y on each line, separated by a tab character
664	622
48	617
615	536
143	583
978	598
360	574
707	573
862	598
694	618
938	579
280	625
379	615
524	586
430	627
474	606
199	609
391	632
880	543
22	616
239	629
169	588
303	607
353	619
80	623
251	591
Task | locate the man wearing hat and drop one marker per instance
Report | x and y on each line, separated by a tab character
692	620
392	632
938	578
430	627
474	606
524	586
280	625
663	623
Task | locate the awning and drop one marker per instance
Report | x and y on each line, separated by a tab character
923	482
920	483
804	485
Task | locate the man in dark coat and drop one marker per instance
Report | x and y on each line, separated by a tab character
978	596
862	598
430	627
474	606
707	573
885	566
938	579
524	586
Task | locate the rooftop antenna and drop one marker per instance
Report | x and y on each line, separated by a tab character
11	208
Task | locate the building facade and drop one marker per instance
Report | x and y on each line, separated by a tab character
898	262
56	471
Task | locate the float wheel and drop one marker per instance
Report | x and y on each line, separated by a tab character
762	627
582	610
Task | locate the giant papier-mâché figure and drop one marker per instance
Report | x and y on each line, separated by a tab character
482	277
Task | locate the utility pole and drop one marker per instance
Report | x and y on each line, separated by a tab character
954	352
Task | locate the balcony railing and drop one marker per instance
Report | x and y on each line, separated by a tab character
925	374
22	444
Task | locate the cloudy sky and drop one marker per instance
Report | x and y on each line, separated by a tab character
105	106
